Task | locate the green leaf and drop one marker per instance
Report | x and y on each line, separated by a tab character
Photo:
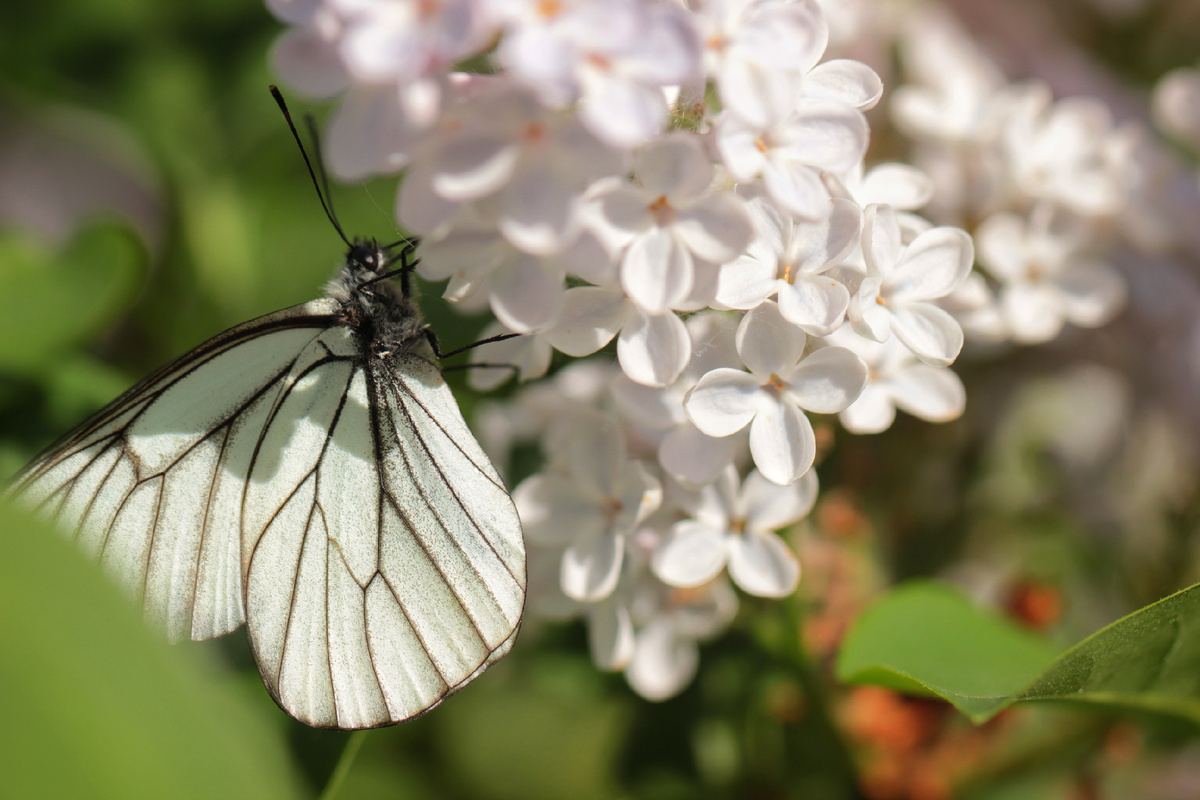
930	639
94	705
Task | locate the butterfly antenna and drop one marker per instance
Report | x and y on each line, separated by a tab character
325	204
311	123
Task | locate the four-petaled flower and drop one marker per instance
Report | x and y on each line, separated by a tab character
789	260
734	525
668	221
770	397
902	282
1046	278
591	504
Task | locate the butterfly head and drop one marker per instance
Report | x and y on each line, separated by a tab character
367	259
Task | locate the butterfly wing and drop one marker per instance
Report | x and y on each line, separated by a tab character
385	565
152	485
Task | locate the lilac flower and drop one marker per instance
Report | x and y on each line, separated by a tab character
772	396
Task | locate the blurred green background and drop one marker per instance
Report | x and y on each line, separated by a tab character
151	196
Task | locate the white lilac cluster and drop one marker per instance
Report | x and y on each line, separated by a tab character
689	181
1048	188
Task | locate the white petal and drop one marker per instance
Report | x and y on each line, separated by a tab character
706	612
589	319
871	320
899	185
529	354
933	265
737	142
610	636
309	62
618	111
590	260
767	343
769	506
663	663
370	134
723	401
830	135
526	293
790	36
880	239
1092	292
640	497
692	554
625	213
1033	312
872	412
845	80
715	228
816	246
1001	239
554	512
763	565
541	58
929	332
798	188
828	380
704	288
538	211
591	567
817	304
470	167
693	457
674	166
782	442
745	282
931	393
752	90
418	208
468	255
653	349
668	47
657	271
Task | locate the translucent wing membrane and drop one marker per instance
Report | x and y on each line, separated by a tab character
333	500
152	485
388	568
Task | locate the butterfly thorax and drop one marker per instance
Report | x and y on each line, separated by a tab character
385	320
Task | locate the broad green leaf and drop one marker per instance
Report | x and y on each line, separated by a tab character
930	639
94	705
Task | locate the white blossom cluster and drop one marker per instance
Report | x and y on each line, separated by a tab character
688	180
1047	187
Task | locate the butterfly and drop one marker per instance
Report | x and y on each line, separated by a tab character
308	473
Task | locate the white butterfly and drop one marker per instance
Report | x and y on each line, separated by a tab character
310	474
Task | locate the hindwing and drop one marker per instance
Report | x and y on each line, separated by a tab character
384	561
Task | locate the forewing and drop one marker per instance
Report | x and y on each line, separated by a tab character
388	569
152	485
